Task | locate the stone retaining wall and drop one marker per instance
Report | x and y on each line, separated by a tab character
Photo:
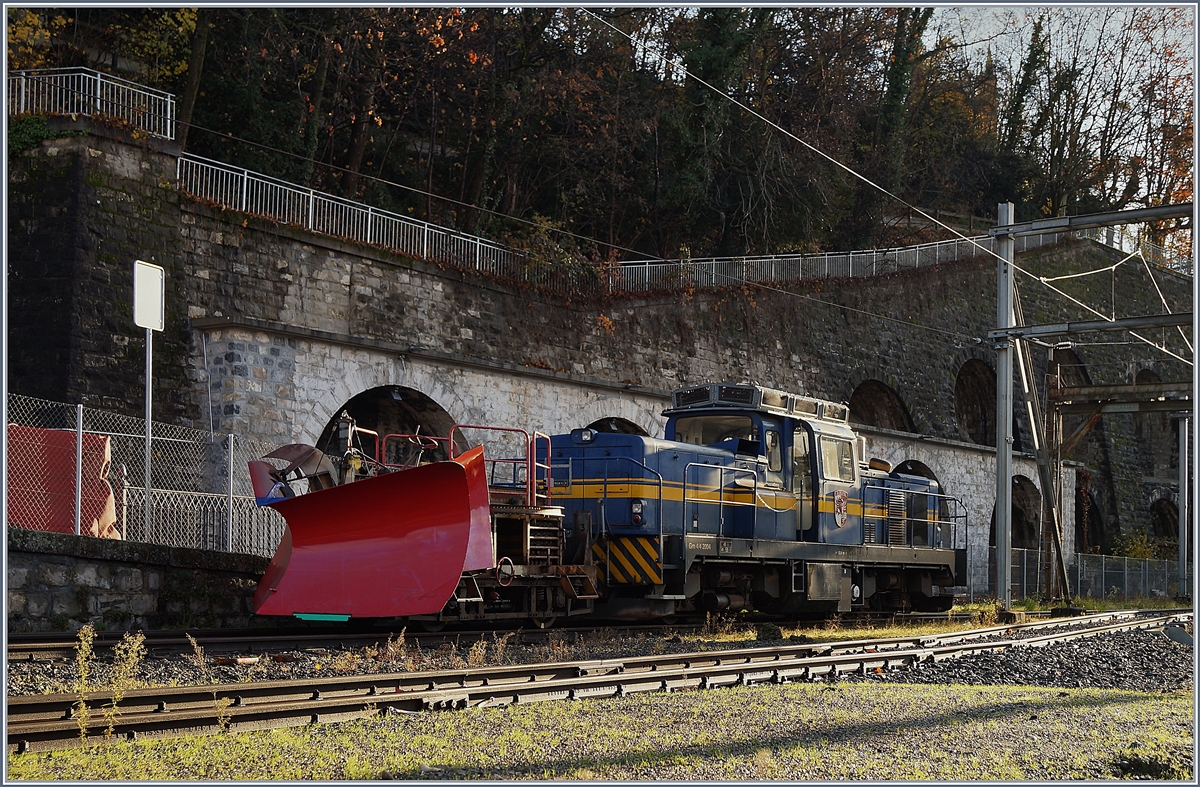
59	582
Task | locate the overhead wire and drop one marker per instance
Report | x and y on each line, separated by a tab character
1163	298
675	63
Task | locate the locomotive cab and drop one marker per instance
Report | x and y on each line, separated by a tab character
755	499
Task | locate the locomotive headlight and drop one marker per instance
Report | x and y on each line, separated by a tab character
636	507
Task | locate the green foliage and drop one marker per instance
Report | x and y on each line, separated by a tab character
769	632
26	132
1137	544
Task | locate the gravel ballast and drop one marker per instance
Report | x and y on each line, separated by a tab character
1132	660
1138	661
1110	706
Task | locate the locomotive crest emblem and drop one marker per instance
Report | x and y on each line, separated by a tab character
841	507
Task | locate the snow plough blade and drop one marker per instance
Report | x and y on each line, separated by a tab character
389	546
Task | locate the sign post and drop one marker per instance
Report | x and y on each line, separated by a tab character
149	312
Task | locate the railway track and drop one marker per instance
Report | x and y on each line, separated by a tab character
50	721
49	646
34	646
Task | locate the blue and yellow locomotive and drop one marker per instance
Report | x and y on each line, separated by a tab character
756	499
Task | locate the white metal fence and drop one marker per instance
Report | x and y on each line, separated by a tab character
70	91
1094	576
82	91
200	493
250	192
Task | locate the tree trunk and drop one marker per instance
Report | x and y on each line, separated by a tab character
187	102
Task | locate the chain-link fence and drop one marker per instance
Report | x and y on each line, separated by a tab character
75	469
1093	576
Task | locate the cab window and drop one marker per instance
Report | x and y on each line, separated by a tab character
774	452
711	429
837	459
801	463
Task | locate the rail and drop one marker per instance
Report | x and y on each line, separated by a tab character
739	474
41	722
528	462
905	511
82	91
246	191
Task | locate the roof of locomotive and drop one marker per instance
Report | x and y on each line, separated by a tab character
748	396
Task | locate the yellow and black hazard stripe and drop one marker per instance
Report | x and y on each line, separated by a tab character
629	560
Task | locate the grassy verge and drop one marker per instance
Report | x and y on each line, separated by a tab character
793	732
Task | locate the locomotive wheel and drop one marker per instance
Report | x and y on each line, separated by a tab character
432	626
544	623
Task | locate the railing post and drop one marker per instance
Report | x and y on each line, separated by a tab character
425	241
78	467
312	206
1125	575
245	185
24	83
96	102
229	498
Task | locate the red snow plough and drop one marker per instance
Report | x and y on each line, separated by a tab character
415	538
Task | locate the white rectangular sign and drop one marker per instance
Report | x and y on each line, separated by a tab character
149	295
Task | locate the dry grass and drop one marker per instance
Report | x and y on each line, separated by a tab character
793	732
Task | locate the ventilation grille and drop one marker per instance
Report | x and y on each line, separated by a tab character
691	396
735	394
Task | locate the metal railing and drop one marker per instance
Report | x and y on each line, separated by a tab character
1093	576
201	495
1128	242
246	191
82	91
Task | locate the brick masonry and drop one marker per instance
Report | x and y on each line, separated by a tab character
272	329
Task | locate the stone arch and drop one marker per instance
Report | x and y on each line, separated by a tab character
1070	368
915	467
617	425
391	409
1164	520
975	402
1026	515
874	403
328	376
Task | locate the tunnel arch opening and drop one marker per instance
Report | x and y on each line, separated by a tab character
975	402
615	425
1026	515
393	409
875	403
